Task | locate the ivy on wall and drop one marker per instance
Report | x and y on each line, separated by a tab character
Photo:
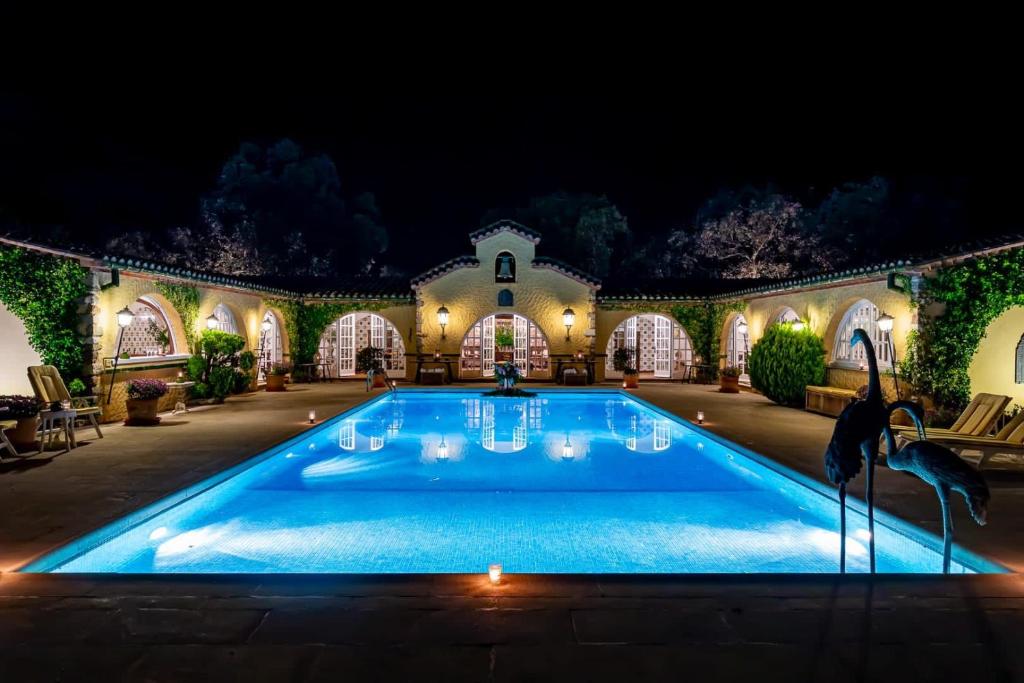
973	294
185	299
703	322
305	322
45	291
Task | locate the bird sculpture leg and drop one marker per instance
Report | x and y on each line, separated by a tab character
870	450
947	527
842	528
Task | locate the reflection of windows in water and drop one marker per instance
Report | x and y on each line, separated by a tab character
347	436
472	409
149	333
662	435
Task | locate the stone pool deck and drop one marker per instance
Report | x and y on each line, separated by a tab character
457	627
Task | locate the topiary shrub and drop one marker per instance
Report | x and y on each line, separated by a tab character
784	362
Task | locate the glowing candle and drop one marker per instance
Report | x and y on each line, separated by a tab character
312	416
700	417
494	572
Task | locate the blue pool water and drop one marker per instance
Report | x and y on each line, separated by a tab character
454	481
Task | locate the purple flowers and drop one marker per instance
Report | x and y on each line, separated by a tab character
145	389
19	406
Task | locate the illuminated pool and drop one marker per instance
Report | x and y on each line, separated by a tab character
452	481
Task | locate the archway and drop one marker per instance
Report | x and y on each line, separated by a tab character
862	314
785	315
226	319
504	337
348	335
737	346
658	346
150	333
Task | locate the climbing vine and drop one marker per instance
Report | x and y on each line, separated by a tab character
45	293
972	294
703	322
185	299
306	322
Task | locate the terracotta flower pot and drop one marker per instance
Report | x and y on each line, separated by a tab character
631	381
275	382
379	380
142	412
23	436
728	385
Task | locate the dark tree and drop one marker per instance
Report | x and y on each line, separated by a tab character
585	230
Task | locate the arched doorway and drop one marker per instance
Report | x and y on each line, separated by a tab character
737	346
659	346
348	335
504	337
271	347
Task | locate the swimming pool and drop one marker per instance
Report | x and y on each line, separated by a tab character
452	481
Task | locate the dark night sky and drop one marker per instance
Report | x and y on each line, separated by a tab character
114	159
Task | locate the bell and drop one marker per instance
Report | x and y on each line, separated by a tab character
505	273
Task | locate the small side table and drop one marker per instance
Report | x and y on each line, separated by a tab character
179	389
53	420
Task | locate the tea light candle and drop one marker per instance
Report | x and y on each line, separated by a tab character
312	416
700	417
494	572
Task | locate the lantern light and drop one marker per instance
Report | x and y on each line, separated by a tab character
742	328
212	322
885	322
568	319
266	325
312	416
700	417
494	572
125	317
442	319
799	325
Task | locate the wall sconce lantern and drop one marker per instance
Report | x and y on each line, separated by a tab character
799	325
742	328
568	319
265	326
442	319
212	322
124	319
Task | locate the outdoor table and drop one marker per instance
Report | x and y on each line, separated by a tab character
313	371
54	420
446	362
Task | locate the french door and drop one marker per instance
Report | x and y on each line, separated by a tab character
346	345
487	347
662	347
522	340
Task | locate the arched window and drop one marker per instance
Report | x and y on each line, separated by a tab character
149	333
738	346
225	319
863	315
787	315
504	337
271	347
505	267
658	346
505	297
343	339
1019	375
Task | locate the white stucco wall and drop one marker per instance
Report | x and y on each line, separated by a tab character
992	368
15	355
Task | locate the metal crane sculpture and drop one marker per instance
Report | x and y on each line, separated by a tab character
855	436
943	469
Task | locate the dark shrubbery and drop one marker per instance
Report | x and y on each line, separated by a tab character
784	362
219	369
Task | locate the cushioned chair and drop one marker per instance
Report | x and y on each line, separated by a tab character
1008	441
978	419
49	388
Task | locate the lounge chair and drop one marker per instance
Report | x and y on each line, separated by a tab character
978	419
49	388
1009	441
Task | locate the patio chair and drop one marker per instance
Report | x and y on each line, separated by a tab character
49	388
1008	441
5	443
978	419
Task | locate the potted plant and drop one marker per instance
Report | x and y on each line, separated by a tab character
143	398
24	409
275	378
372	358
729	380
630	378
507	375
505	340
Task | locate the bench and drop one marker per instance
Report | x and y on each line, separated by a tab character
828	400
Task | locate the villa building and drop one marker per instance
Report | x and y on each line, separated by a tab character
505	301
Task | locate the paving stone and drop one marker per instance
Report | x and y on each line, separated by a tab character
470	664
197	625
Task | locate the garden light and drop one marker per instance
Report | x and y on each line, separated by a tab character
265	326
494	572
312	416
700	417
212	322
799	325
125	317
885	322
